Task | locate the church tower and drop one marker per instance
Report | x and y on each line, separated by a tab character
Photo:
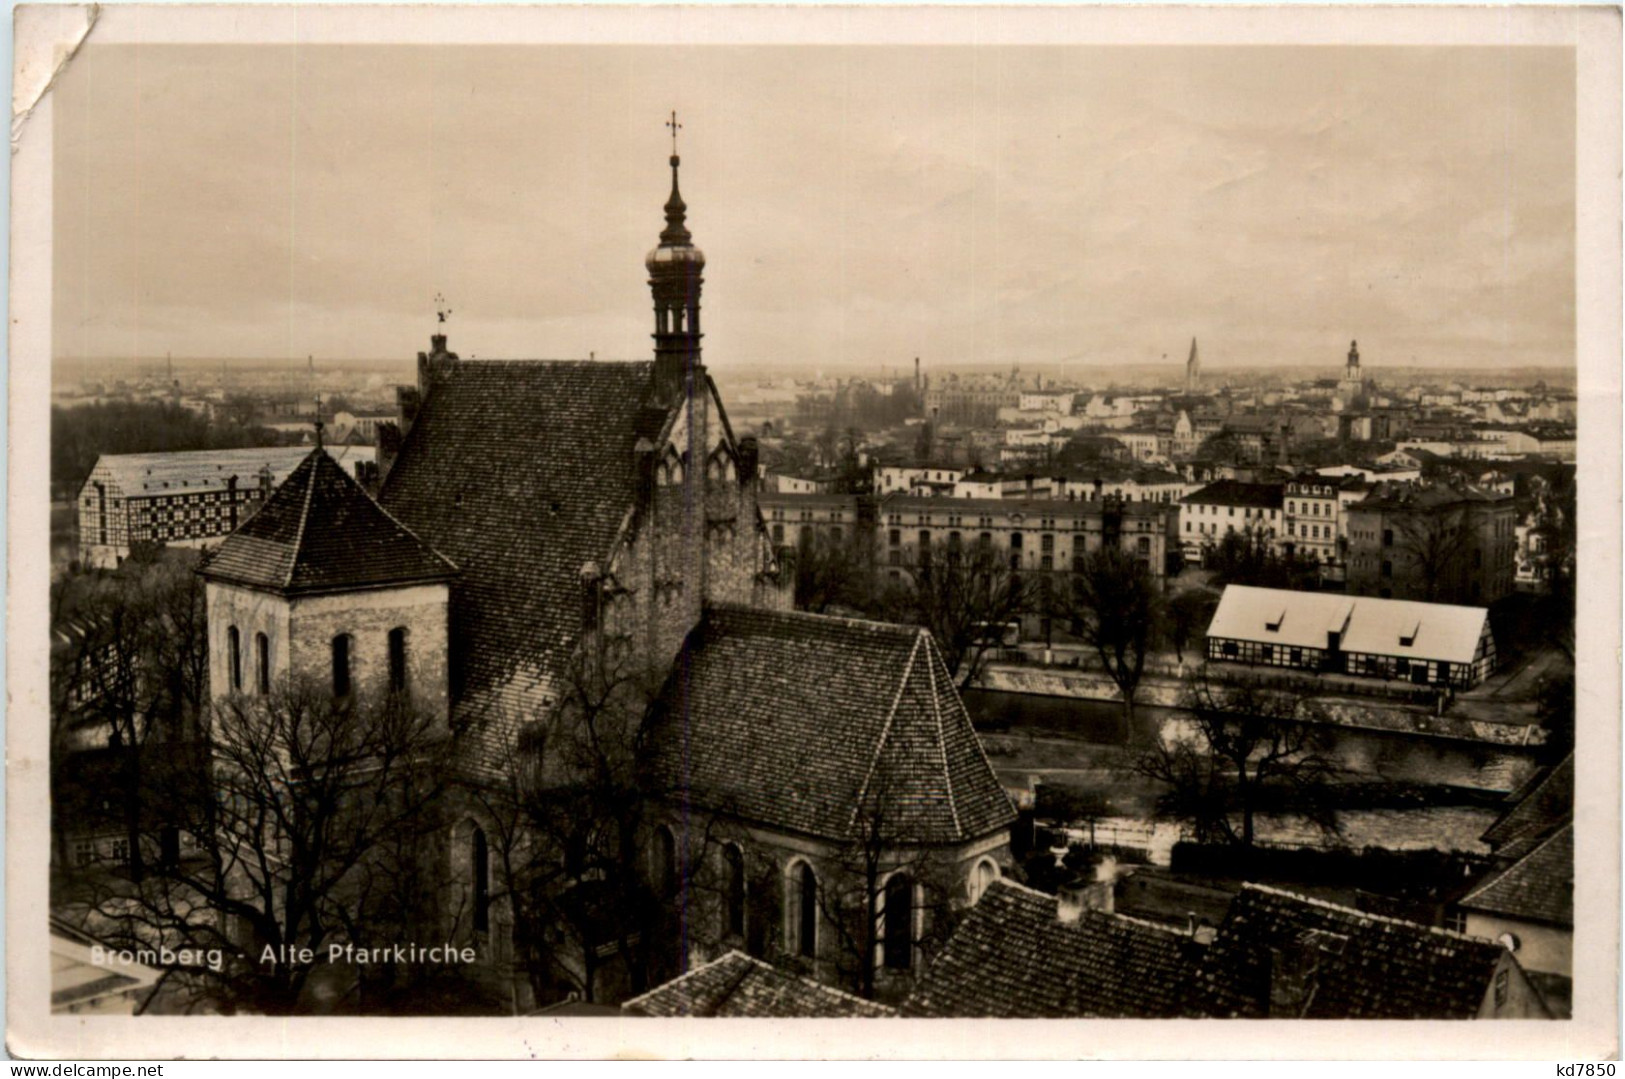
1193	370
1352	373
675	269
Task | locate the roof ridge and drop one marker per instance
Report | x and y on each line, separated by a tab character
897	628
304	514
469	362
942	740
691	973
398	523
1566	826
1450	934
885	733
1529	788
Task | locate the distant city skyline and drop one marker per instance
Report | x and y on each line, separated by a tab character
974	206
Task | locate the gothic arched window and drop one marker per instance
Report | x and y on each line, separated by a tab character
733	894
480	869
982	877
802	925
234	658
664	869
262	663
898	929
341	665
397	659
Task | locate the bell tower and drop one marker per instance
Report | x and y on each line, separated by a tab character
675	276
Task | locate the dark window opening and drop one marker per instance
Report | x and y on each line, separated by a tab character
397	659
806	928
898	948
341	665
665	867
734	863
482	883
262	663
234	658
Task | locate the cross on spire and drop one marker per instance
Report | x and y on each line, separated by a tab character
674	127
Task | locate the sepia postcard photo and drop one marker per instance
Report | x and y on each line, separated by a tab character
814	532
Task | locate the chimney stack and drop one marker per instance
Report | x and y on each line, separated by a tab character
434	366
1070	901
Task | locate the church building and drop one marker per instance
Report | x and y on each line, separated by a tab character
538	518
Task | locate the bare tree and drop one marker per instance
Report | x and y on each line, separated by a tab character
965	595
887	901
1435	542
129	669
284	804
1115	609
833	573
1187	615
1245	751
577	844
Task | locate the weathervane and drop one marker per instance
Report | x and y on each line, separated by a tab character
442	312
674	127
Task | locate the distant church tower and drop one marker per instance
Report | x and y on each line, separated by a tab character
675	269
1193	370
1352	374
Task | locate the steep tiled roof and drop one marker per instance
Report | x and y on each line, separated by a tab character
1011	958
817	725
321	532
739	987
1366	966
1538	887
1540	805
520	471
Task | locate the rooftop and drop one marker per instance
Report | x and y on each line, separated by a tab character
138	474
1011	957
320	532
1385	627
1539	887
1542	804
1237	493
1362	966
737	986
821	726
520	471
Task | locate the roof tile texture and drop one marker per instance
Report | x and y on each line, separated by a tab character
1012	958
820	725
520	471
320	532
739	987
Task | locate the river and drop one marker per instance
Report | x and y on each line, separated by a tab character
1065	740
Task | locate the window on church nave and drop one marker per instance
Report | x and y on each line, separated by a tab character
341	665
982	877
801	927
898	932
733	868
262	663
480	870
397	660
234	658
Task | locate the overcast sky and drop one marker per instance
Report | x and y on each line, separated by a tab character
856	205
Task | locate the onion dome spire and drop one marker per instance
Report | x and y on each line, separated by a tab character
676	231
